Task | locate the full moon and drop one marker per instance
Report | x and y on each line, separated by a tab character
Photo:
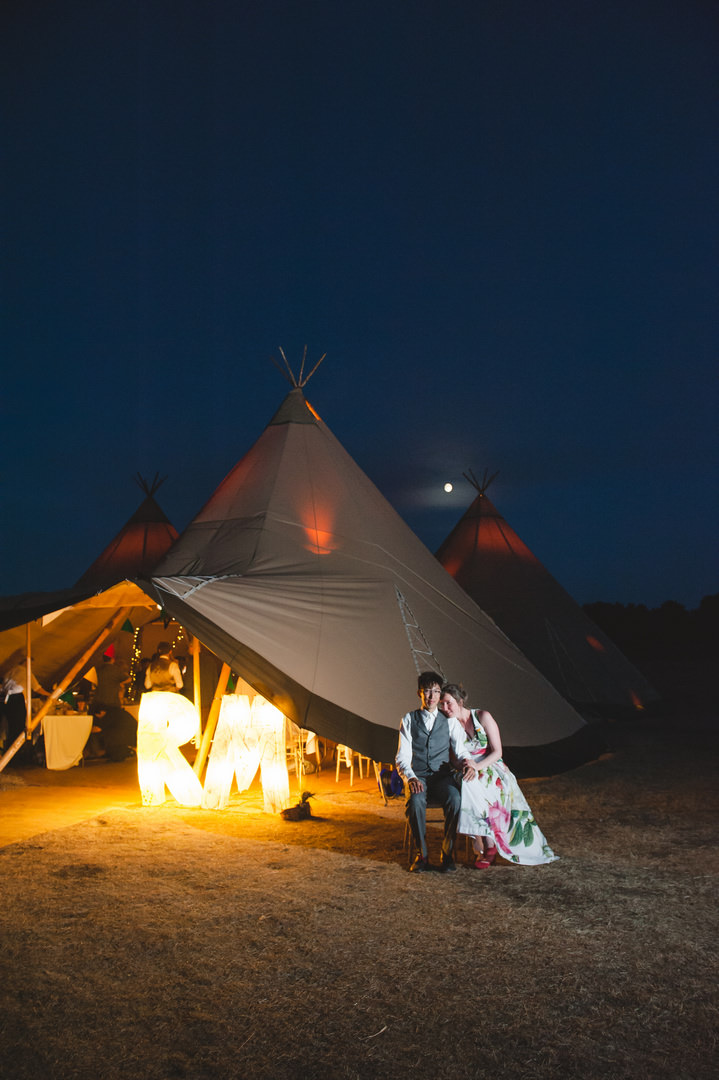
448	487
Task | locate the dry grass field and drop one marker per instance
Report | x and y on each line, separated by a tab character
161	943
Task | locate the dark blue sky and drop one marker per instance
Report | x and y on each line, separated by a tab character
497	218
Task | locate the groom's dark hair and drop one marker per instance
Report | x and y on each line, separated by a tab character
428	679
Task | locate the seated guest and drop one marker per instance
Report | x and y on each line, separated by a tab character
426	737
494	812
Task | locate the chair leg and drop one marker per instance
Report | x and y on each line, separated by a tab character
378	778
408	843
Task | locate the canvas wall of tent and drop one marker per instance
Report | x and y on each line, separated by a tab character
497	569
300	576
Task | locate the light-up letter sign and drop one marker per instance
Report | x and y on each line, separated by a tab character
166	722
248	738
230	753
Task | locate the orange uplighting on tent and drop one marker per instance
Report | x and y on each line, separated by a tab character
596	645
637	701
322	543
318	528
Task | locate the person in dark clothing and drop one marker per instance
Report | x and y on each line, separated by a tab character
163	671
426	738
118	727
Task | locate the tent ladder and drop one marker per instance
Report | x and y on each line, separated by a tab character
420	647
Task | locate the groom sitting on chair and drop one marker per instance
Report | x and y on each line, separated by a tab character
423	761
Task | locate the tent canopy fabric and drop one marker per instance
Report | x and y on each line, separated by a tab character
63	627
26	607
497	569
300	575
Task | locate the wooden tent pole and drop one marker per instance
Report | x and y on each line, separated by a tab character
196	688
12	750
22	737
28	678
195	650
212	719
62	686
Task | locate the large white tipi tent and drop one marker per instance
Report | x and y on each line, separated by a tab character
497	569
300	575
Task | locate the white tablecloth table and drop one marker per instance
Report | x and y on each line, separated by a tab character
65	738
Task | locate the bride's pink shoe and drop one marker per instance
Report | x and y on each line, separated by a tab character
486	859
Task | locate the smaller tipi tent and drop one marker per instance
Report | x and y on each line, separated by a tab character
138	547
497	569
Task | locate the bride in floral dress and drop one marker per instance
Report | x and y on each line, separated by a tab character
494	811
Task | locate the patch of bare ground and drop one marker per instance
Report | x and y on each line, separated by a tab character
160	942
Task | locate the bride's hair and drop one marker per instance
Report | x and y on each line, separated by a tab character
455	690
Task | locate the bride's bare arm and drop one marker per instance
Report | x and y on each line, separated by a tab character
494	740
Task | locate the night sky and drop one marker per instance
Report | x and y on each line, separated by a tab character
498	218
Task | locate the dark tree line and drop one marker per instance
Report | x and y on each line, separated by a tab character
669	632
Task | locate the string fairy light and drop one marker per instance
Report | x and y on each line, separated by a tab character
131	694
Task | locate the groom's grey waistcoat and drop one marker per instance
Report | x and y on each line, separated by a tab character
429	751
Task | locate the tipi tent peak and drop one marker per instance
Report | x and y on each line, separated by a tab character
480	485
149	488
301	380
